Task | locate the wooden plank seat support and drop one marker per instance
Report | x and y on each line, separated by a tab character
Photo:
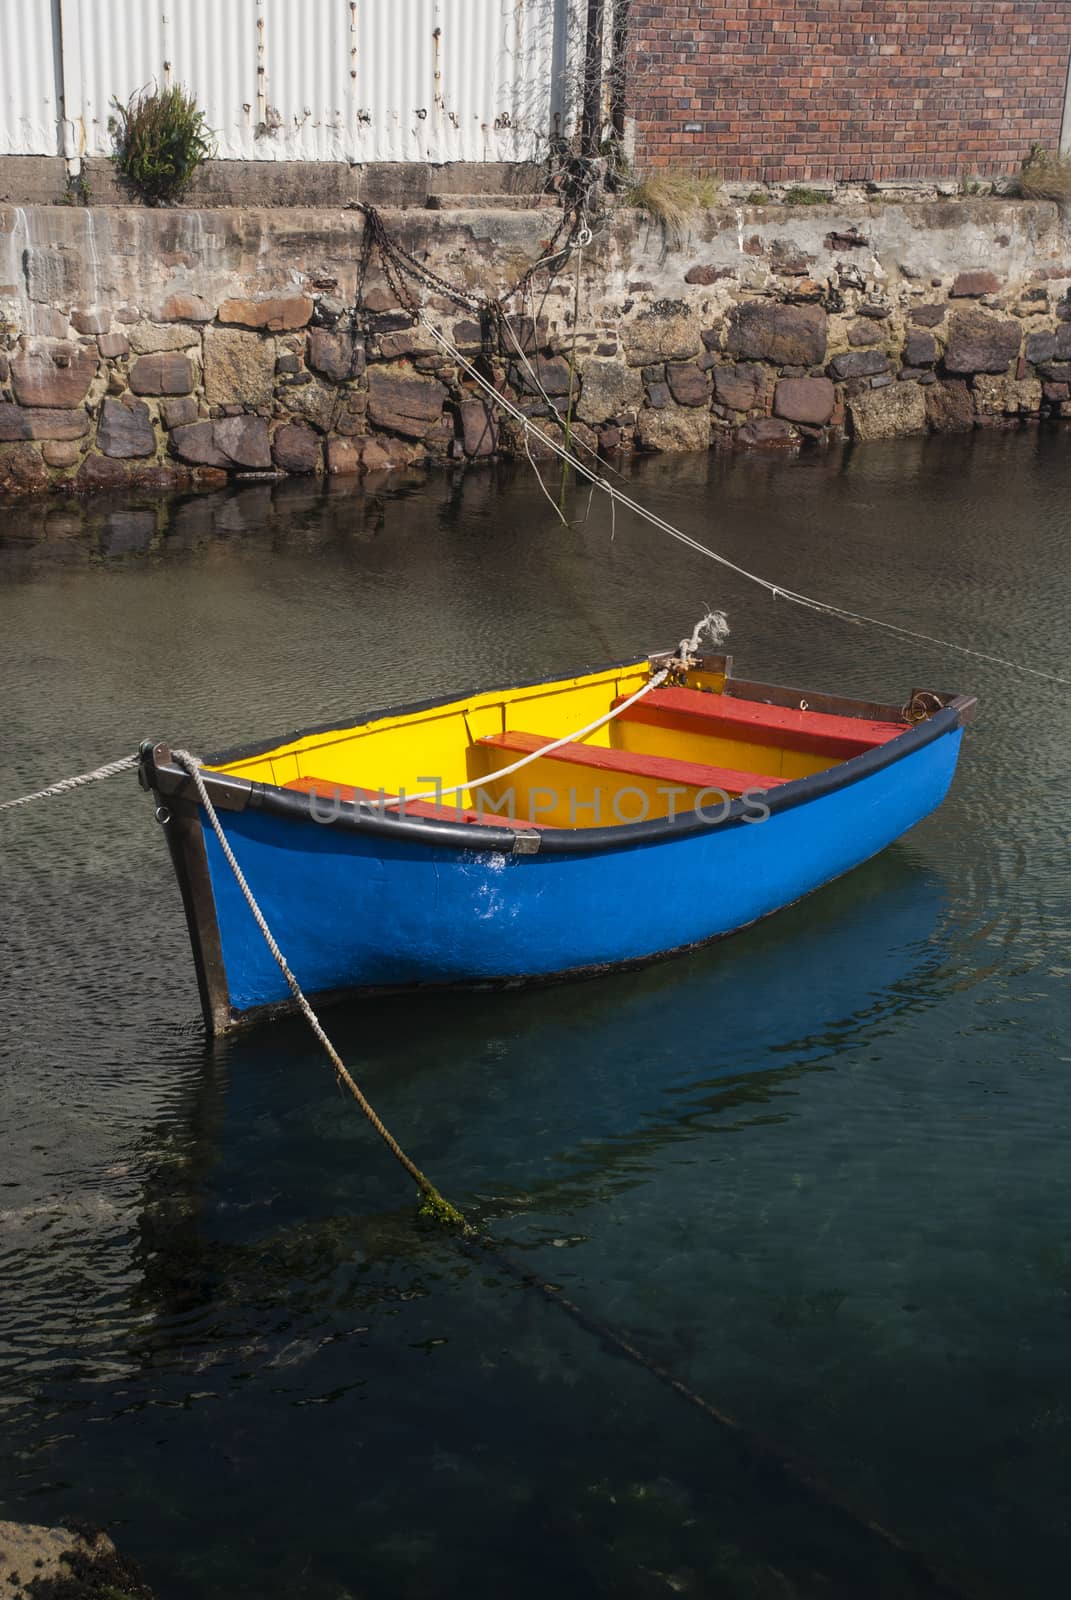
627	763
816	732
327	788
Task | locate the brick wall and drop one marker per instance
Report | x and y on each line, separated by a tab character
842	89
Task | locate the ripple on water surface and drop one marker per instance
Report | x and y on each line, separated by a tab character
818	1172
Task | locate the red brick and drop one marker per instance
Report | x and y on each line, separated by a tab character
824	90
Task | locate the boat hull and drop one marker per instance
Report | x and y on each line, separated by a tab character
371	909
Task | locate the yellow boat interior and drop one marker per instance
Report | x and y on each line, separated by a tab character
688	741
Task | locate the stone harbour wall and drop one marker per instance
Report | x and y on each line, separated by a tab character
169	347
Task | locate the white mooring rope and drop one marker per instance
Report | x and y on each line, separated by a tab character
433	1204
776	590
713	624
108	771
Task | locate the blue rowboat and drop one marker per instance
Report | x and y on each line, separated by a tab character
549	830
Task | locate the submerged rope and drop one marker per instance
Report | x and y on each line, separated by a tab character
432	1203
108	771
776	590
800	1471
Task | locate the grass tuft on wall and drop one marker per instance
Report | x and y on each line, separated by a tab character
673	197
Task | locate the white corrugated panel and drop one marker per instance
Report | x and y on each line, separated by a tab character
458	80
29	92
297	80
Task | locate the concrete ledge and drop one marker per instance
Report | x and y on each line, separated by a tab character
42	181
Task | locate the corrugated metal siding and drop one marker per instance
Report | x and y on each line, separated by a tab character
296	80
29	91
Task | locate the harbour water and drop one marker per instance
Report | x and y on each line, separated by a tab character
818	1173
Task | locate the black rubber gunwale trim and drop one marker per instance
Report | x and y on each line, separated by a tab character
467	836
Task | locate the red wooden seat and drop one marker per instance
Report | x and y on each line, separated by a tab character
816	732
327	789
662	769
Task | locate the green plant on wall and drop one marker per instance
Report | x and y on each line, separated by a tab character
161	138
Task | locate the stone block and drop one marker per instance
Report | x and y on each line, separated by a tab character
182	306
314	402
47	374
767	433
996	395
61	452
404	403
809	400
479	428
239	367
113	345
889	413
920	349
101	472
467	337
377	297
865	331
125	430
21	422
523	332
408	343
92	321
337	356
702	274
858	364
279	315
243	442
971	285
669	331
950	407
150	338
687	384
296	448
48	323
741	386
789	336
658	395
166	373
195	443
179	413
22	470
543	375
348	456
980	343
608	389
673	428
928	316
789	259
